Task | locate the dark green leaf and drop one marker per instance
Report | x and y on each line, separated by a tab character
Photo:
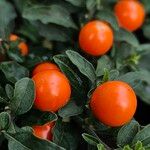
29	31
126	36
76	3
127	133
9	91
113	74
71	109
7	16
143	48
143	136
109	17
90	139
4	120
146	30
3	96
49	14
84	66
146	5
50	31
13	71
26	141
14	54
65	135
36	117
133	77
20	4
90	4
23	96
75	80
103	63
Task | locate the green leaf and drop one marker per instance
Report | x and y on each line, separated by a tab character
49	14
139	146
14	53
20	4
28	30
23	96
3	96
90	139
143	136
127	133
109	17
13	71
100	147
146	30
143	91
50	31
76	82
133	77
113	74
69	110
76	3
103	63
26	141
90	4
127	147
7	16
126	36
66	135
4	120
84	66
36	117
146	5
9	91
143	48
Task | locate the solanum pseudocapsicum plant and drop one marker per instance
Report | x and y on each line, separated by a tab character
74	74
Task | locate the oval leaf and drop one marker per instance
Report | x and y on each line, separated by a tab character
4	120
49	14
127	133
23	96
26	141
84	66
13	71
143	136
126	36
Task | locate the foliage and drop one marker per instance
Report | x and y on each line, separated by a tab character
50	28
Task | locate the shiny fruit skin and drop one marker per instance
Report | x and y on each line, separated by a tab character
130	14
22	45
44	131
52	90
113	103
43	67
96	38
